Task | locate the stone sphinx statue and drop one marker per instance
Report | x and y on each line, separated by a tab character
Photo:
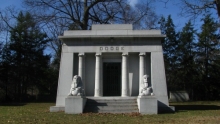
76	87
145	89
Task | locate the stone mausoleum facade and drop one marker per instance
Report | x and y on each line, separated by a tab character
111	61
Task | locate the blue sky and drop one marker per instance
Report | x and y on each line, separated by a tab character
171	8
5	3
160	8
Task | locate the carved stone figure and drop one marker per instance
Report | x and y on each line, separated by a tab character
145	89
76	87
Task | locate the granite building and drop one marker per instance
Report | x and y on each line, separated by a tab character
111	61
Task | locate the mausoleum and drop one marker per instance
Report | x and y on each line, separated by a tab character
114	62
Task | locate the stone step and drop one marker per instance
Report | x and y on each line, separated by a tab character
113	111
111	99
110	109
111	105
110	102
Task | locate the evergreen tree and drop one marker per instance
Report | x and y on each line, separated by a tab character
4	73
186	51
207	59
27	62
170	44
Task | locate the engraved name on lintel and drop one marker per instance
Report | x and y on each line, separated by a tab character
111	48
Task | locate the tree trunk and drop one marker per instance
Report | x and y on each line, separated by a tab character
86	16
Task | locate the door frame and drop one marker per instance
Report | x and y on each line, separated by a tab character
109	60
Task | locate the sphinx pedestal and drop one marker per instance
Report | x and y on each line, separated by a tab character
147	104
74	104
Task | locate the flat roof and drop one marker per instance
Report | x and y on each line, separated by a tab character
111	30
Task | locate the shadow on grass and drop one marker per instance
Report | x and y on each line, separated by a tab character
196	107
12	104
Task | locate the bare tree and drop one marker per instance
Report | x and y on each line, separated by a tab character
81	14
53	32
197	7
55	16
6	17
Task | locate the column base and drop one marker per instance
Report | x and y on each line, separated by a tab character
97	93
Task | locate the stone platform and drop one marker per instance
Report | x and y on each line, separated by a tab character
111	105
143	105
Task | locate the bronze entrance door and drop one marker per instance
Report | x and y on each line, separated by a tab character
112	79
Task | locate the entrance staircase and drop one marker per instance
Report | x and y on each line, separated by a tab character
111	105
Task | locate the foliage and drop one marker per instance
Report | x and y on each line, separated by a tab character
55	16
186	59
207	59
193	112
195	8
192	60
23	63
170	44
192	65
80	14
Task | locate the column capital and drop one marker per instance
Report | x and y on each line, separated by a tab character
81	54
98	54
125	54
142	54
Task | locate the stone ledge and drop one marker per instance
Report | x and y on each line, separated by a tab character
178	96
109	36
56	108
112	27
71	97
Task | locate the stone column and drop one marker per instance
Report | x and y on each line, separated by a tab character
98	75
141	69
81	69
124	75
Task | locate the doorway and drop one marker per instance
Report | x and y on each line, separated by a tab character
111	79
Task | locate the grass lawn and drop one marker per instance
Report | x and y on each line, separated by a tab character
187	112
